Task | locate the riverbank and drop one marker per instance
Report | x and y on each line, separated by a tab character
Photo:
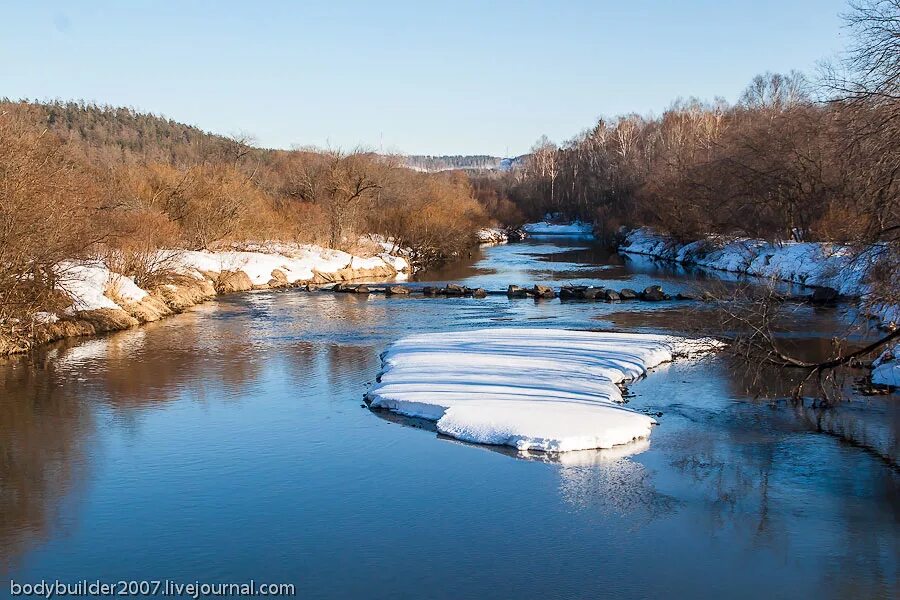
814	264
102	300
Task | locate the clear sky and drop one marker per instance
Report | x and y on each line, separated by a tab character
419	77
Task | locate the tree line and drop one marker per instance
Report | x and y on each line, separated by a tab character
80	181
794	159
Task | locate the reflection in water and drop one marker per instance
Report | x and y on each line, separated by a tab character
229	443
43	431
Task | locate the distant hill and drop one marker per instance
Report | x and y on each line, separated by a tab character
116	134
470	162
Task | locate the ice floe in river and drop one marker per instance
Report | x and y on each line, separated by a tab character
552	390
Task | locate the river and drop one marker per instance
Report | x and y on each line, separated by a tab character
230	443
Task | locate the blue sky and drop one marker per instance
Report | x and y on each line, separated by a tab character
418	77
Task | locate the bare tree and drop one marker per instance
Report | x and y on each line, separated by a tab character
342	183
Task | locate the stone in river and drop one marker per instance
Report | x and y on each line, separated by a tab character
610	295
543	291
654	293
592	293
515	291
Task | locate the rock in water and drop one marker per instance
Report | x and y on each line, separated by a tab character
628	294
654	293
572	292
611	295
515	291
592	293
543	291
479	293
396	290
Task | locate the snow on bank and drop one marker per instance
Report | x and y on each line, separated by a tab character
806	263
92	286
491	235
547	228
886	368
552	390
299	262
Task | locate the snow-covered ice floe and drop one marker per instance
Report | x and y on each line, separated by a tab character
545	228
552	390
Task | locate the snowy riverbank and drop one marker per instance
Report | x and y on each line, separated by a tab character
103	300
807	263
552	390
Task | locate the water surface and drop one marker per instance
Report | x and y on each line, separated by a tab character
231	443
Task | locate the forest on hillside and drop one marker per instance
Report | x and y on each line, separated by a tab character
80	181
797	158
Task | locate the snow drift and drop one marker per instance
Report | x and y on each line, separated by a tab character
551	390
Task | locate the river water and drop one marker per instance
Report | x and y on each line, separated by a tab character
230	443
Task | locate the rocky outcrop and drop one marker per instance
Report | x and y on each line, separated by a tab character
279	279
229	282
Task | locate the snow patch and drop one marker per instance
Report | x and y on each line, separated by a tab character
551	390
89	283
491	235
886	368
